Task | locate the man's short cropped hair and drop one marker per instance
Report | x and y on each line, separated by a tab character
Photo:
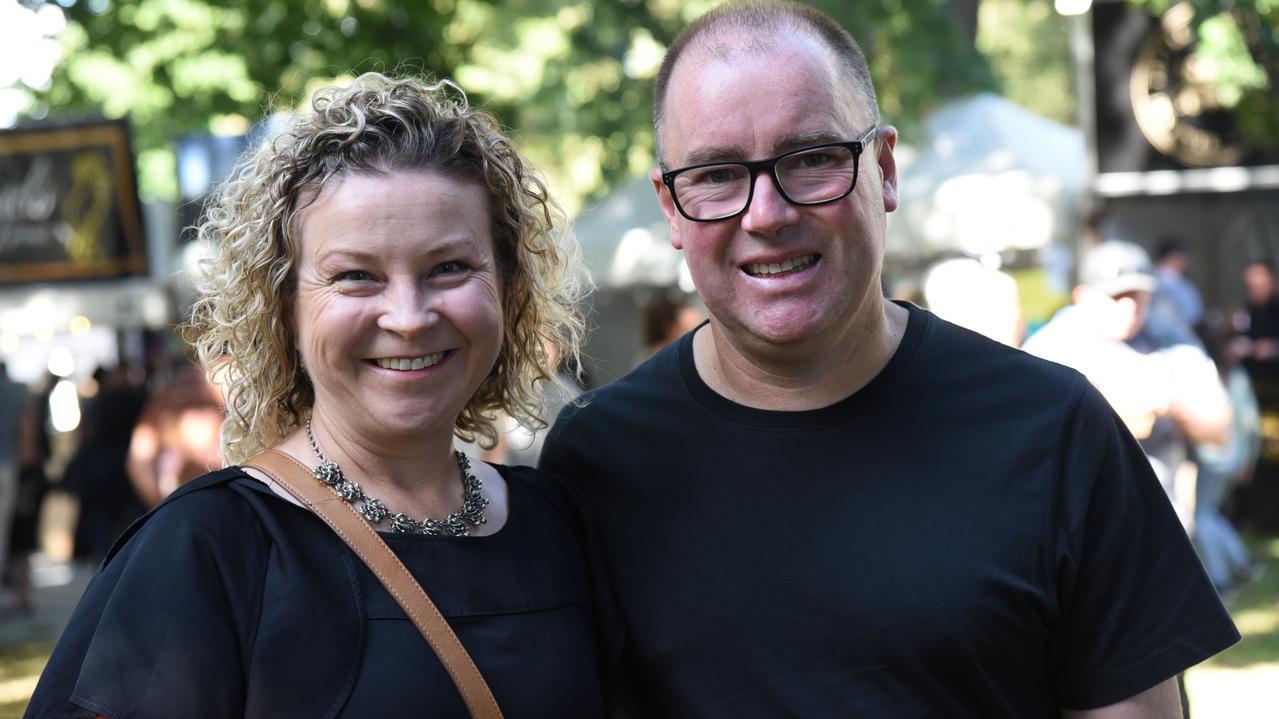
1263	263
1167	246
766	19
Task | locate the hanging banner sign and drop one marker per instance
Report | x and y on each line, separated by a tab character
69	204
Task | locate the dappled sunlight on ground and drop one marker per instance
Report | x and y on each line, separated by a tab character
1234	693
1243	681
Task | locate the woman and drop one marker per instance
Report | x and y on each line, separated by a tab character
382	278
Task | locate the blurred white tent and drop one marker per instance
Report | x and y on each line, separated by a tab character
625	242
988	176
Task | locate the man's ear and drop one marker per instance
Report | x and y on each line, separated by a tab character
885	142
668	207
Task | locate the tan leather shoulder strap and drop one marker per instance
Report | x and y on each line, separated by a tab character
298	480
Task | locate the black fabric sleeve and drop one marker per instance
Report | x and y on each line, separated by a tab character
166	627
560	462
557	452
1136	606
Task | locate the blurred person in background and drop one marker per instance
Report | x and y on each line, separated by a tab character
34	450
1224	467
1256	504
665	320
1259	324
383	273
97	473
975	297
823	503
1169	394
13	400
1174	292
177	435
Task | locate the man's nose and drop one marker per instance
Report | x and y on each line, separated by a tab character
769	212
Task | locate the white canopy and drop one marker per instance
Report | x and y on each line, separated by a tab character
988	175
625	242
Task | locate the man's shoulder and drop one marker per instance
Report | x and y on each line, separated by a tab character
961	355
656	377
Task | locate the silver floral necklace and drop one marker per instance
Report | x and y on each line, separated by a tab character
457	524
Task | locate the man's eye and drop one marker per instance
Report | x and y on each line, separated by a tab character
720	175
815	159
717	175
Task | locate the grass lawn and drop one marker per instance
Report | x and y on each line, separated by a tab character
20	666
1243	681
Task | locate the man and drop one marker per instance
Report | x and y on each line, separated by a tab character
822	503
1257	502
1173	290
1261	322
1165	388
13	399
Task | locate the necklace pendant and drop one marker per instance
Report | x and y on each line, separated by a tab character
473	512
402	523
455	527
373	509
348	490
329	473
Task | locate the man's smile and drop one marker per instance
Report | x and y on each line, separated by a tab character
785	267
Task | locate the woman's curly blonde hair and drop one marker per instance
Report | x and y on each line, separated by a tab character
241	325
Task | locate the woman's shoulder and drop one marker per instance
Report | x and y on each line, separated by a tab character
222	508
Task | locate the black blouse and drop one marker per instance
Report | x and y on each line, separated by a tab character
230	601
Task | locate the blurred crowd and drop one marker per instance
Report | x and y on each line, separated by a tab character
141	434
1192	383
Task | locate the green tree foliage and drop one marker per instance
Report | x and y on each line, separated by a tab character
1028	46
574	78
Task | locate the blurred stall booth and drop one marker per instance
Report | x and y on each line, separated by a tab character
77	288
628	253
992	180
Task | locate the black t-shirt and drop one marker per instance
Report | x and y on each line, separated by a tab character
972	534
228	601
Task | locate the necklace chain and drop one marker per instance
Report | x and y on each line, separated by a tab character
456	524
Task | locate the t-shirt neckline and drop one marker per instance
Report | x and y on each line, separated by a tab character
917	325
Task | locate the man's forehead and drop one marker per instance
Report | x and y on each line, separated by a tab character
799	99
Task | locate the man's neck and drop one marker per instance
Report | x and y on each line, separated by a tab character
800	376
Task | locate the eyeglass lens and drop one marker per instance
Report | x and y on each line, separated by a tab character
721	190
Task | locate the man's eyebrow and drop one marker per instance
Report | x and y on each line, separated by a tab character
722	153
798	140
785	143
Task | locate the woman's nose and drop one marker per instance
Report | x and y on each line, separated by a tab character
407	310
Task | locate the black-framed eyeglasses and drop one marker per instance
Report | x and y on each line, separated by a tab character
814	175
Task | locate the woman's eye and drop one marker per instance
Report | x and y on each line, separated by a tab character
451	267
353	276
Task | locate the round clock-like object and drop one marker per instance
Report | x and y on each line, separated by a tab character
1175	98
